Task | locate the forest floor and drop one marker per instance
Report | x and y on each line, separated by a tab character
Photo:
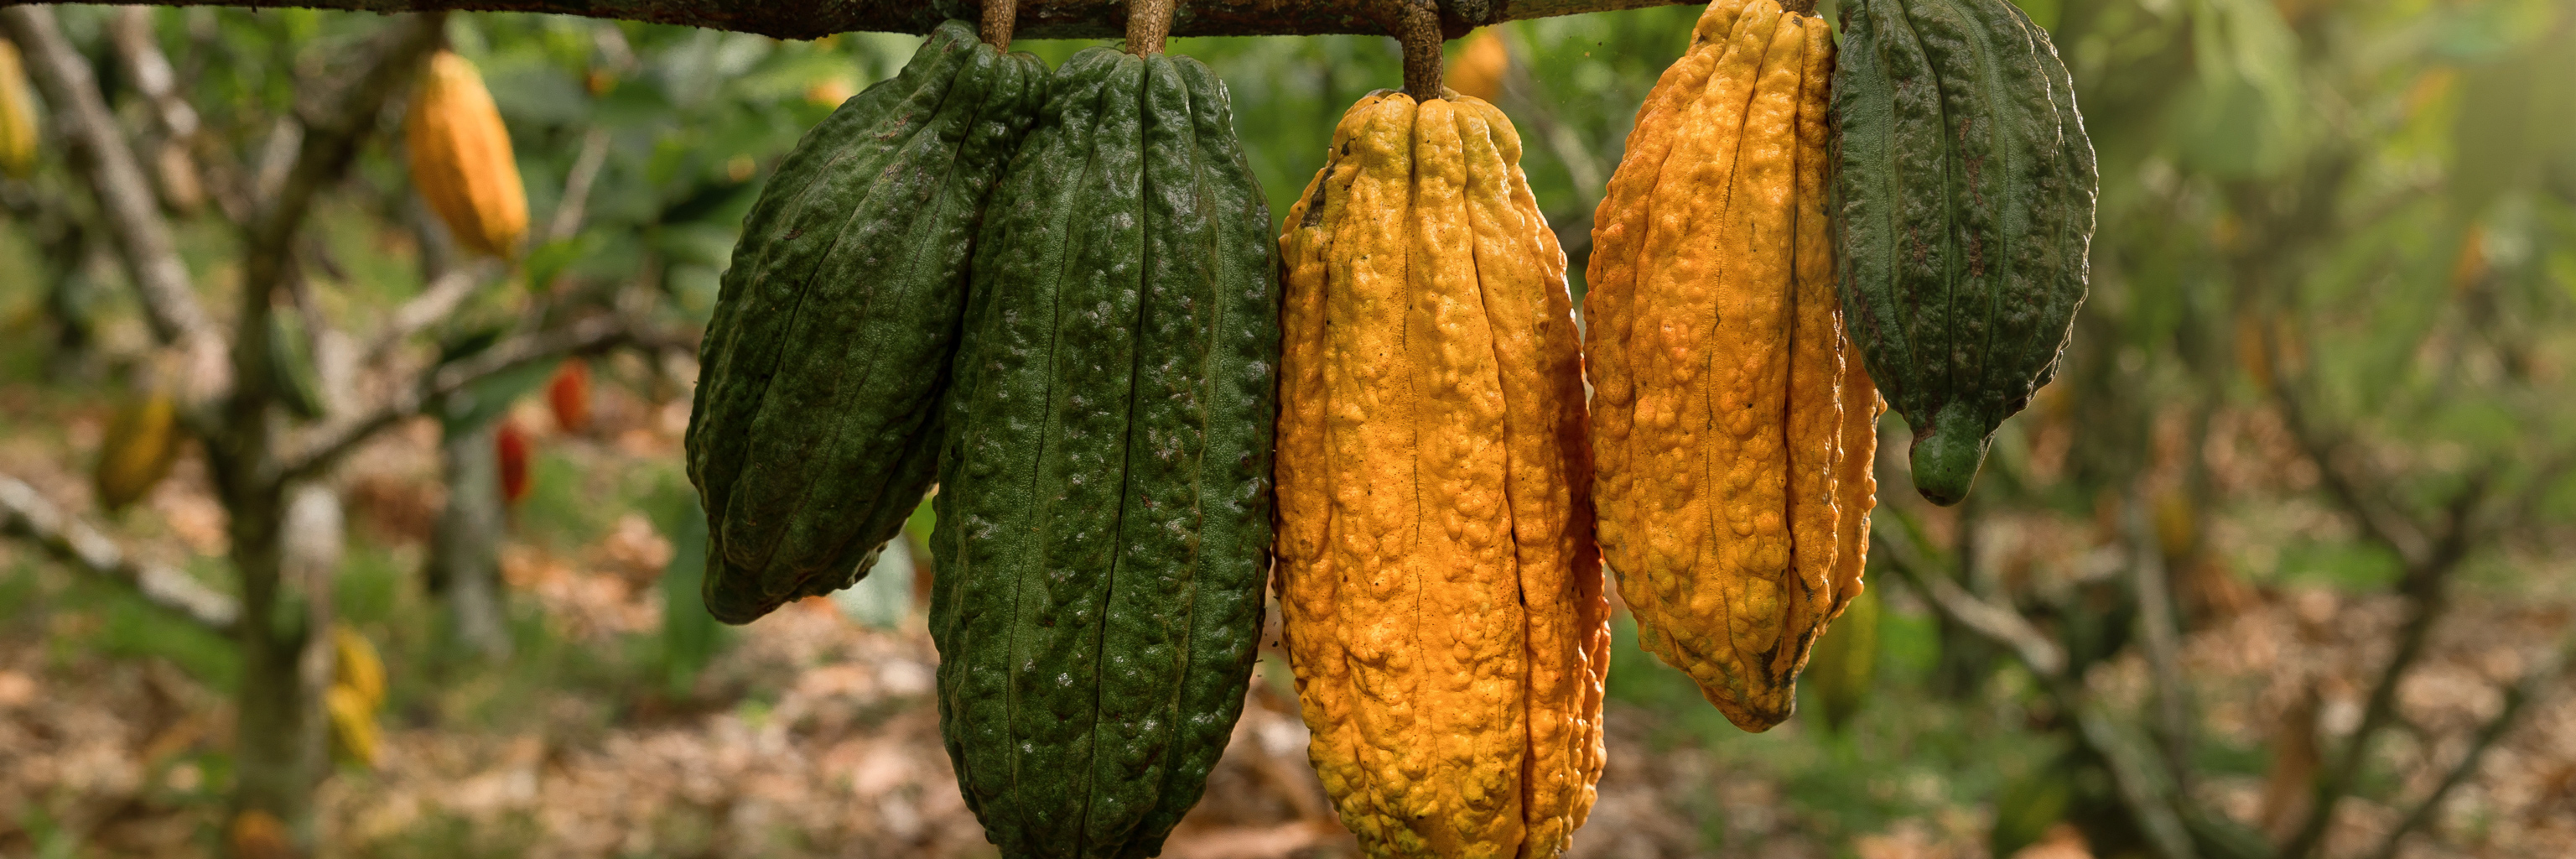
811	734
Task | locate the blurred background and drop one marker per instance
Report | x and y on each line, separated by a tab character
2278	566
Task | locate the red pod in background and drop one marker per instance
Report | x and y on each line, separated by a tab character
569	396
511	443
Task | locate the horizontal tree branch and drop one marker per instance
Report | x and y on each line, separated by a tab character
326	444
1037	19
2005	626
26	512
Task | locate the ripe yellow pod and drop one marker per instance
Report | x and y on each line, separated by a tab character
1733	423
461	159
142	442
18	129
1441	594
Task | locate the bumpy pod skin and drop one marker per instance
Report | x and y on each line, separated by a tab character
1963	212
1441	593
1105	504
815	430
1732	432
461	160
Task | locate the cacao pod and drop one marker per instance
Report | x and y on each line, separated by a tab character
141	444
292	375
1845	662
18	125
510	447
355	664
568	395
1733	436
1481	64
1103	519
1440	590
354	733
1963	213
815	429
461	160
355	696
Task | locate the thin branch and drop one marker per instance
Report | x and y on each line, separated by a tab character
2388	527
150	70
431	305
26	512
326	444
576	193
2162	640
1036	19
2005	626
2152	800
125	198
2516	698
2429	588
332	133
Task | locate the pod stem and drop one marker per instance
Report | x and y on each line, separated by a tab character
1148	23
999	16
1417	27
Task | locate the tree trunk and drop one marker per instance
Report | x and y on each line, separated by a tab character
464	553
273	771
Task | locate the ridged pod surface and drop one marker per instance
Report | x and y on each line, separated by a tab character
461	160
1731	432
1104	504
1963	212
1438	581
141	444
815	429
18	128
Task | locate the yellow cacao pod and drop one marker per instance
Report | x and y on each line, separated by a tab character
461	159
1441	593
1733	424
355	664
353	724
141	444
1481	63
18	129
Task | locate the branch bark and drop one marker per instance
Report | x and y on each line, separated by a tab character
2151	800
331	135
2162	639
2516	699
328	443
2005	626
26	512
2426	585
1036	19
108	166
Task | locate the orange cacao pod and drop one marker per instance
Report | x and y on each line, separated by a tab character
461	159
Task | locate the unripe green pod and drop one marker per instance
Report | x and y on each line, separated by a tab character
1963	214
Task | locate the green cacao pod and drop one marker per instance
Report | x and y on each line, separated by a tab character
815	427
1104	505
1845	661
292	374
1963	214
